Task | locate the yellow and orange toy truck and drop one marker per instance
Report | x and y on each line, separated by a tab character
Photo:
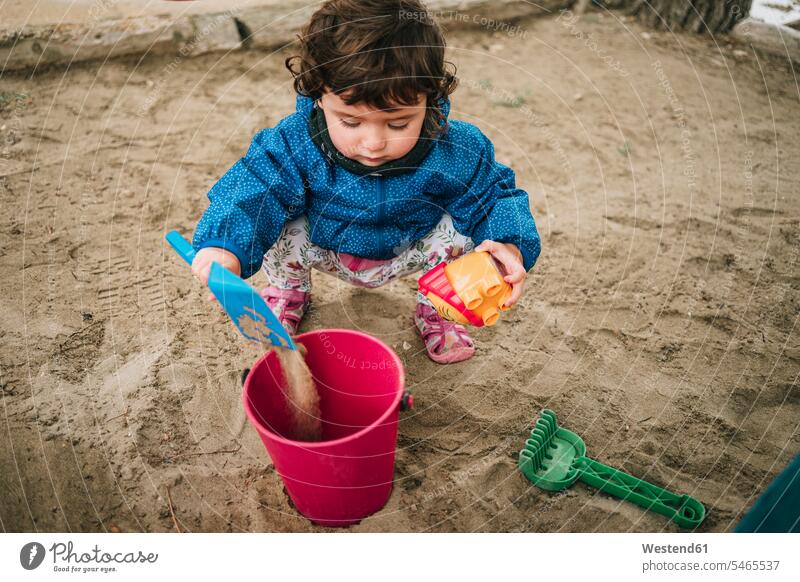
469	291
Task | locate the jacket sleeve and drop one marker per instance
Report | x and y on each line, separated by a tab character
489	206
252	201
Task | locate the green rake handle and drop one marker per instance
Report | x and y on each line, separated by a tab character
684	510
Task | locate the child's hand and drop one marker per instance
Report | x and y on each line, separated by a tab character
510	259
201	265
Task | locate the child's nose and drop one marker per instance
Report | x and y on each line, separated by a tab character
374	142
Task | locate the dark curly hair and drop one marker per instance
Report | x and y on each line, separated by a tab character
380	51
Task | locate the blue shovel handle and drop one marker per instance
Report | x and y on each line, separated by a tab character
181	246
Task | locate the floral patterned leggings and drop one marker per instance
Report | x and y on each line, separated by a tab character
289	261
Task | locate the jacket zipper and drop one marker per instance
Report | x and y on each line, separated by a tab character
381	201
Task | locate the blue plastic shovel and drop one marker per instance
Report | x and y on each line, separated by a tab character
242	303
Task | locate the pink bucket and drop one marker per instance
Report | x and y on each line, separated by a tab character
349	474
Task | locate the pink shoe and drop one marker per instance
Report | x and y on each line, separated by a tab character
288	305
446	342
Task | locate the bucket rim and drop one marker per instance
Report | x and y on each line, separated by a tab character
248	407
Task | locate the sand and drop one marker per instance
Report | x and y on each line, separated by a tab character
301	396
659	323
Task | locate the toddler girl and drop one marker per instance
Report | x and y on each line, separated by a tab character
368	180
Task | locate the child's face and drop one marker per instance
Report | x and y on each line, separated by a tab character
372	136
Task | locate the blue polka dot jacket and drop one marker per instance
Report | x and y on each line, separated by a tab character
293	169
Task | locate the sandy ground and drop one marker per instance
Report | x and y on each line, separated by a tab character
660	321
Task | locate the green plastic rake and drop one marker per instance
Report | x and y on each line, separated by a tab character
554	458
